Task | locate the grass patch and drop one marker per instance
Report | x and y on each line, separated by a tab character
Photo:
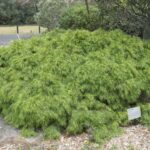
26	29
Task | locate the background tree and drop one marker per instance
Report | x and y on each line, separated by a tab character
141	10
49	13
87	6
17	11
8	12
130	16
27	9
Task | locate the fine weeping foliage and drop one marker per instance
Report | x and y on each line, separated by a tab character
75	81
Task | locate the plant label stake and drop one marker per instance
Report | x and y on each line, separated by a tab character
134	113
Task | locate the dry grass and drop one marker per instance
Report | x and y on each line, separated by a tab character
22	29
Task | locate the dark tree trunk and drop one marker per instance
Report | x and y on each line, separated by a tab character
87	6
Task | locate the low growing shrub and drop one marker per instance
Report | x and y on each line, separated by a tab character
75	81
146	114
51	133
28	132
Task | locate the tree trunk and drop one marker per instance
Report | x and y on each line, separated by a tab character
87	6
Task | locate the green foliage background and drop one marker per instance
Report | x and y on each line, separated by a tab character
14	12
131	16
49	12
76	17
75	81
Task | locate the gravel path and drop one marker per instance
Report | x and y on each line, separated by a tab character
6	39
134	138
7	131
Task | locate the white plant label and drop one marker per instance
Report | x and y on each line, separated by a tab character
134	113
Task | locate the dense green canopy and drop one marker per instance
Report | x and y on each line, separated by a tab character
17	12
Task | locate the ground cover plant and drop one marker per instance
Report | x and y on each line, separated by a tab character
74	82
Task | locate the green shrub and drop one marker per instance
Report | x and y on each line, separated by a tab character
74	81
28	132
101	125
76	17
51	133
146	114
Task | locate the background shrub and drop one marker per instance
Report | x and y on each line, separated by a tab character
76	17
